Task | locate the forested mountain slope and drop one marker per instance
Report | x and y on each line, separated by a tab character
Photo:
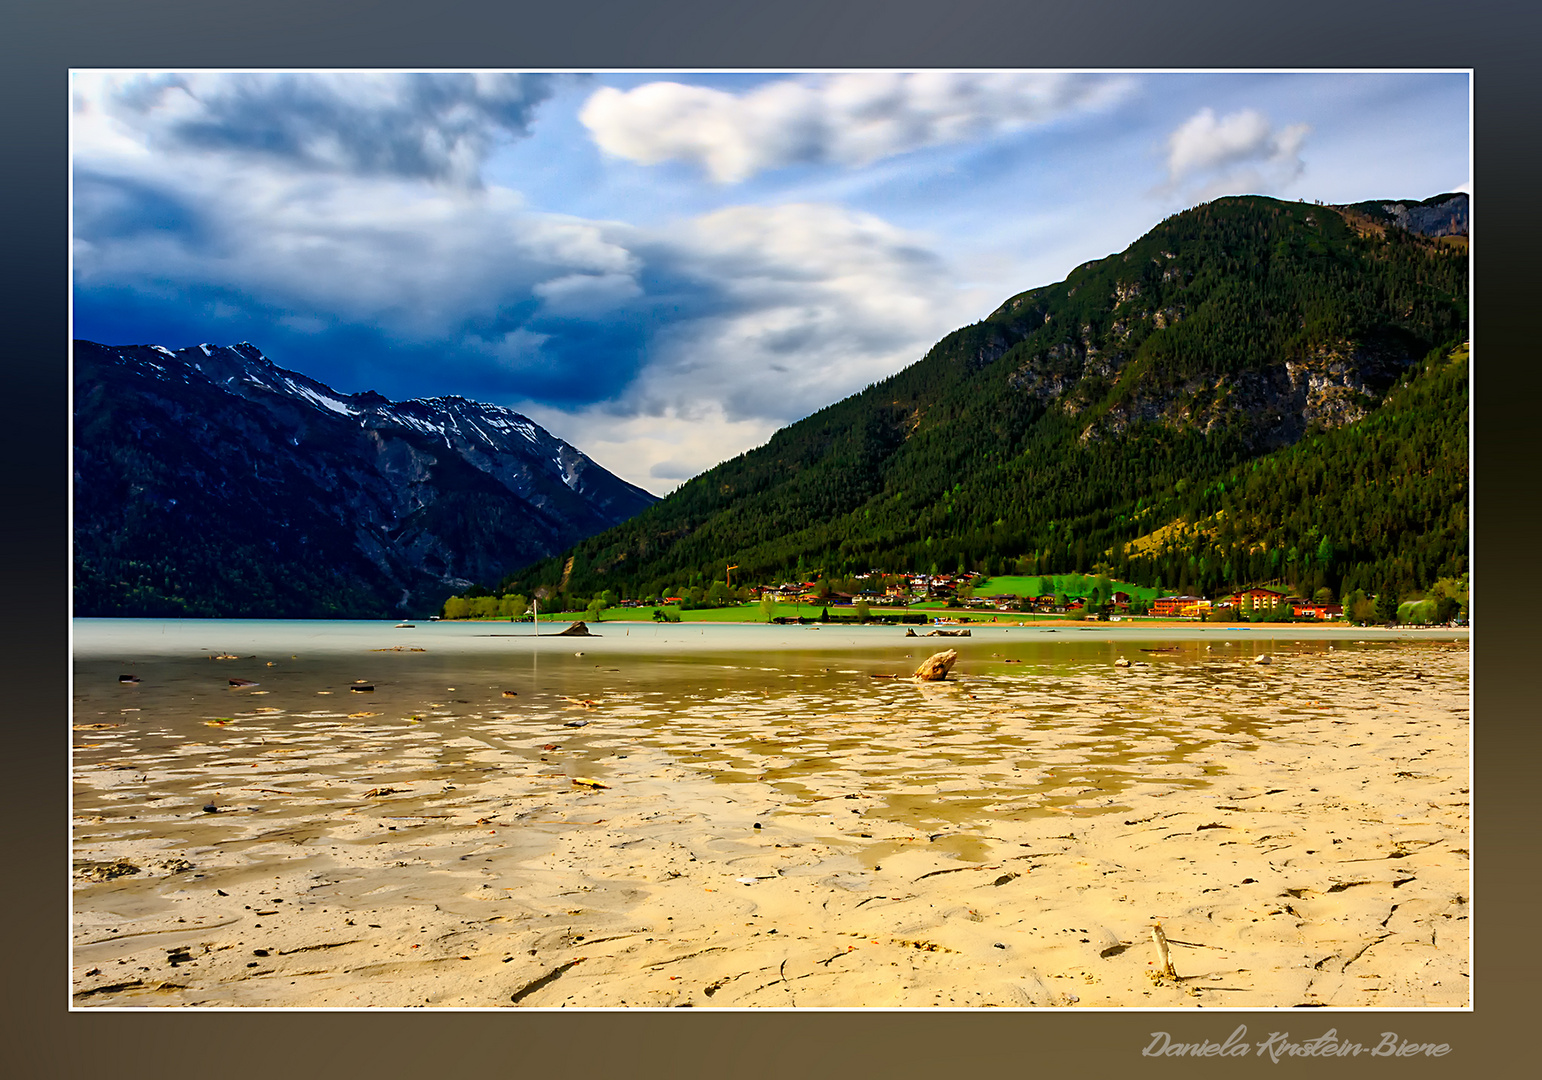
1054	434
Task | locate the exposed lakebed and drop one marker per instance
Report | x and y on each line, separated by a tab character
497	806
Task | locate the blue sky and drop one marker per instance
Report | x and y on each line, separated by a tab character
664	268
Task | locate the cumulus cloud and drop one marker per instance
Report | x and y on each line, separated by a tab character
660	350
811	302
760	316
850	119
1240	150
657	453
587	294
429	126
411	260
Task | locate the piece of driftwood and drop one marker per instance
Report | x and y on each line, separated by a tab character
947	633
936	667
551	976
1163	955
578	629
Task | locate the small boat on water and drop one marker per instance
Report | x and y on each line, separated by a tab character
406	626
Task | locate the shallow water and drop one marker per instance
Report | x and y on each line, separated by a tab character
1031	722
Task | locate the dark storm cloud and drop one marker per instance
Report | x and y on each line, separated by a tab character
120	208
425	126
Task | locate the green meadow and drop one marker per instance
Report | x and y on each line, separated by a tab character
1073	585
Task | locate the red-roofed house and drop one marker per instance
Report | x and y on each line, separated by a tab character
1178	607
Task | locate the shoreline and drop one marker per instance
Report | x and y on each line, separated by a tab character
1298	828
280	639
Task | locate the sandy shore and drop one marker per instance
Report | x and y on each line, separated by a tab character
1299	829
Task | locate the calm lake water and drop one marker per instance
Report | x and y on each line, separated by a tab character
770	704
128	638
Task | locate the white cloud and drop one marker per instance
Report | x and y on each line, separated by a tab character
657	453
412	259
1240	150
818	301
587	294
812	303
699	337
851	119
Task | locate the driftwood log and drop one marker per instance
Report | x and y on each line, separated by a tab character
935	668
578	629
1159	939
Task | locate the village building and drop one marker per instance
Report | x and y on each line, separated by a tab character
1179	607
1252	599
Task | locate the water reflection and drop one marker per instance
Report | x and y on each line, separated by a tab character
823	736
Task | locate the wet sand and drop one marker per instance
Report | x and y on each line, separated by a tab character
779	830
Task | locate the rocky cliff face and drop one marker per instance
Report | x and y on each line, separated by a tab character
1440	215
1274	405
208	481
1447	217
1270	401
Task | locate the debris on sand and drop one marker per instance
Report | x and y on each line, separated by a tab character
551	976
1159	939
107	871
936	667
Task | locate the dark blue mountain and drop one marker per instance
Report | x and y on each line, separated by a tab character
209	482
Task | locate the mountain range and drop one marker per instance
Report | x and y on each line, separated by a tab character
1146	415
210	482
1254	390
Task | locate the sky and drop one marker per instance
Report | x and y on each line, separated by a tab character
665	268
